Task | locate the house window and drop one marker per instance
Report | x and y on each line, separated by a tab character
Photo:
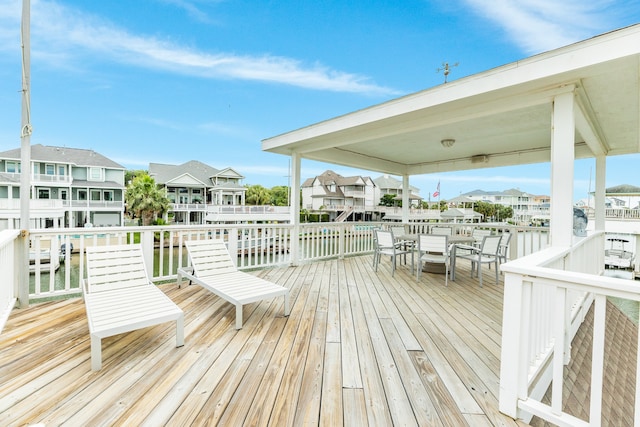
95	195
183	195
63	194
49	169
108	195
82	194
95	174
62	171
195	196
44	193
12	167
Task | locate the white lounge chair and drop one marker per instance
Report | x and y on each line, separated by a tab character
119	297
213	269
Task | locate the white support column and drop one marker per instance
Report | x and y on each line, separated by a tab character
562	165
405	199
601	169
295	206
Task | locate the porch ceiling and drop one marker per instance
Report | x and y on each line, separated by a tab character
503	114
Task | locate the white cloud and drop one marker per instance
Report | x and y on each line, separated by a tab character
191	8
69	35
540	25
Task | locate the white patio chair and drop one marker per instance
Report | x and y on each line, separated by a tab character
399	232
119	297
434	248
446	231
213	269
487	253
503	255
386	245
478	234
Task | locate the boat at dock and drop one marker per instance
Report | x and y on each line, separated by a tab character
42	261
618	258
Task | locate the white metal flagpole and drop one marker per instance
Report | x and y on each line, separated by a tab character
25	156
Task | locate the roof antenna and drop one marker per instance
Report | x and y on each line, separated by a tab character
446	69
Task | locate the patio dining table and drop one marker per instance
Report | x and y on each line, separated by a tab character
456	239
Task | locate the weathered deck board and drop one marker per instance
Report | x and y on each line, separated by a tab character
359	348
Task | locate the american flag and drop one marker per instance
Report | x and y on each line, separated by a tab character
437	192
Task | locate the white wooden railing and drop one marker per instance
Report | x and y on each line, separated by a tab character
8	278
257	246
546	297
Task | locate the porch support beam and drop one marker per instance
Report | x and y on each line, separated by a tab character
601	169
562	166
405	199
295	206
587	126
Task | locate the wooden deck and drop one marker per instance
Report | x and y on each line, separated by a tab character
360	348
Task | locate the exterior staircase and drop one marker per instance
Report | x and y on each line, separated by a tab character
344	215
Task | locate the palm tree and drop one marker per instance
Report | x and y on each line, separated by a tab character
145	200
258	195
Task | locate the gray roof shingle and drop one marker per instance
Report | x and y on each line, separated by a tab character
73	156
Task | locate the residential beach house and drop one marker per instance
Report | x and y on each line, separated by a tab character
70	187
193	185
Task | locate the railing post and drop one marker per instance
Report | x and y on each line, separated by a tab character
22	259
341	241
233	244
513	345
146	239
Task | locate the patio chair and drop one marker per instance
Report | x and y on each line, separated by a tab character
213	269
503	255
119	297
435	249
487	253
399	236
398	230
478	234
446	231
386	245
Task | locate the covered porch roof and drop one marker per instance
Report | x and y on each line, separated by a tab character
500	117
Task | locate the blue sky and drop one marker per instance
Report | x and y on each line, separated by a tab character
168	81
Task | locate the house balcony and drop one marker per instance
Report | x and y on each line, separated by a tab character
187	207
225	213
93	205
51	180
356	194
13	205
359	345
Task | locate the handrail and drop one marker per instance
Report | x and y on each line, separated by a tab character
257	245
